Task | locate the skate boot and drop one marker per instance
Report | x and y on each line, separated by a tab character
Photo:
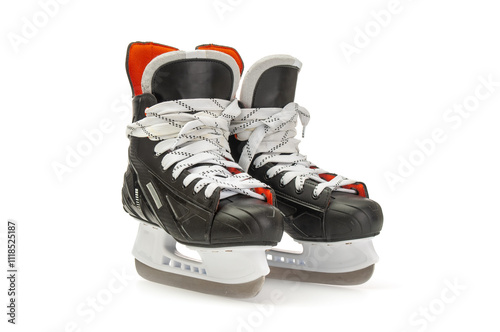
331	216
182	182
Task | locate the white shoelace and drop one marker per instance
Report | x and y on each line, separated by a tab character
194	132
270	132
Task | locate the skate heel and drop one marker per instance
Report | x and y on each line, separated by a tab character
338	263
230	271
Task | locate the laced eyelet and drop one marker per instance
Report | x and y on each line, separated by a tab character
297	191
266	177
282	185
314	196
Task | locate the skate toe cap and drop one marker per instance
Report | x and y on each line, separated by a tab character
350	217
242	220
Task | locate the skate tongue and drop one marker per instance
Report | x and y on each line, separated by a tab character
270	82
188	75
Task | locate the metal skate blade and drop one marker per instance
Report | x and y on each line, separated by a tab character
244	290
342	279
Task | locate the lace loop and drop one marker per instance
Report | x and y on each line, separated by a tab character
270	134
193	135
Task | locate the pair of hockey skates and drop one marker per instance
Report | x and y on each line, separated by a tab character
184	185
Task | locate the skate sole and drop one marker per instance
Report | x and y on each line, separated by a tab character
244	290
341	279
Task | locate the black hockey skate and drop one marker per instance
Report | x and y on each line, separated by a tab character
331	216
182	182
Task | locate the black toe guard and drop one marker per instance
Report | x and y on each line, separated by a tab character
347	217
241	219
330	217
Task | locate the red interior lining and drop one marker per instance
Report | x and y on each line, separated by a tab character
263	191
138	56
359	187
267	193
224	49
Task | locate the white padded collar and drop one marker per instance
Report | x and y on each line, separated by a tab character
252	76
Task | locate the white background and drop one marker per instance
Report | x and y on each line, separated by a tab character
441	222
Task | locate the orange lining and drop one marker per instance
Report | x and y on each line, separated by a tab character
139	54
263	191
234	170
267	193
224	49
359	187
